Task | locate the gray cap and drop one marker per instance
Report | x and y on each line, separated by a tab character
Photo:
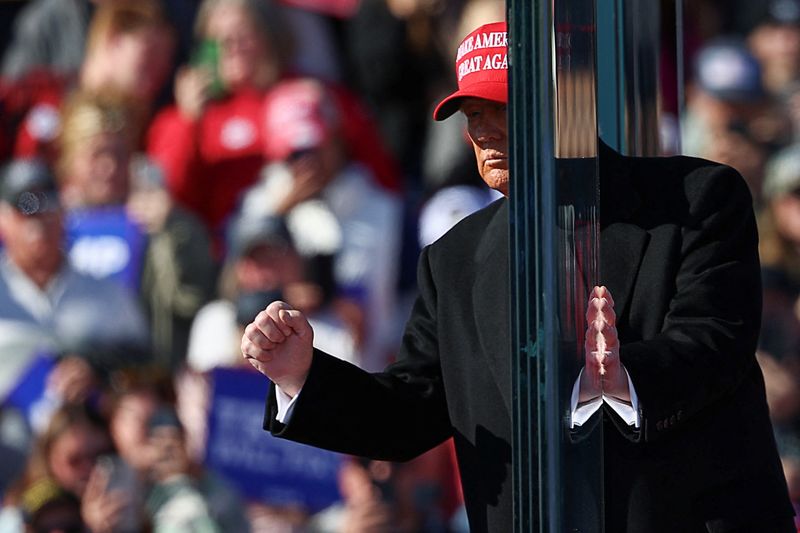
28	185
782	173
727	70
784	11
248	231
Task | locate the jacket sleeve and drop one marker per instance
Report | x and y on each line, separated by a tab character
706	347
394	415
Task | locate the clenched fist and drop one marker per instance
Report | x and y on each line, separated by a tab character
279	344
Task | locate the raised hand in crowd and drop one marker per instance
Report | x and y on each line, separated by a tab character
193	91
309	179
72	379
366	507
105	509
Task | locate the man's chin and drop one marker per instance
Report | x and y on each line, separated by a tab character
497	180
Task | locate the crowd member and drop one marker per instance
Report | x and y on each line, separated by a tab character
52	35
48	34
682	362
396	62
179	271
130	49
123	225
318	53
262	263
332	204
418	495
779	222
30	119
8	15
184	496
730	118
779	235
95	148
47	507
775	42
132	396
449	205
46	305
68	453
210	142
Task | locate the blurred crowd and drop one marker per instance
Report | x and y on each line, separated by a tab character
171	166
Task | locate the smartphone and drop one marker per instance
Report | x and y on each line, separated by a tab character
123	478
206	55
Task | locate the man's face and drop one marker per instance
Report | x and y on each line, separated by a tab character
242	47
99	170
34	241
488	131
267	267
140	60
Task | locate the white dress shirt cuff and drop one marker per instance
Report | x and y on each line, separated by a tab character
285	405
628	413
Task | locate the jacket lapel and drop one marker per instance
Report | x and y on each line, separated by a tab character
490	299
618	269
621	242
491	292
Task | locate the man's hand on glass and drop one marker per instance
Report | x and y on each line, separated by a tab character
603	373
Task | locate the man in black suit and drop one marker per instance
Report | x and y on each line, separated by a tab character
689	446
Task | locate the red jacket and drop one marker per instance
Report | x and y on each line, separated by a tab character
211	161
30	114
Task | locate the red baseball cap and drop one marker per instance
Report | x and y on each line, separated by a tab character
481	68
298	115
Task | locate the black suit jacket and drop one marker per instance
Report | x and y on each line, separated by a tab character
679	255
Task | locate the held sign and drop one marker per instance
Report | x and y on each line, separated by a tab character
262	467
105	242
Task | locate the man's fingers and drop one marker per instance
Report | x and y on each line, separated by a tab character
601	336
271	326
590	337
255	345
273	311
600	308
264	334
601	358
609	334
603	292
295	320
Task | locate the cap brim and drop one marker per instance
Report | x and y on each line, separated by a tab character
496	91
31	203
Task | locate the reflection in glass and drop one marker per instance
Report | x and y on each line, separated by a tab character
554	234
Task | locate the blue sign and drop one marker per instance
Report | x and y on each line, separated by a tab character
105	242
28	395
31	385
263	467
